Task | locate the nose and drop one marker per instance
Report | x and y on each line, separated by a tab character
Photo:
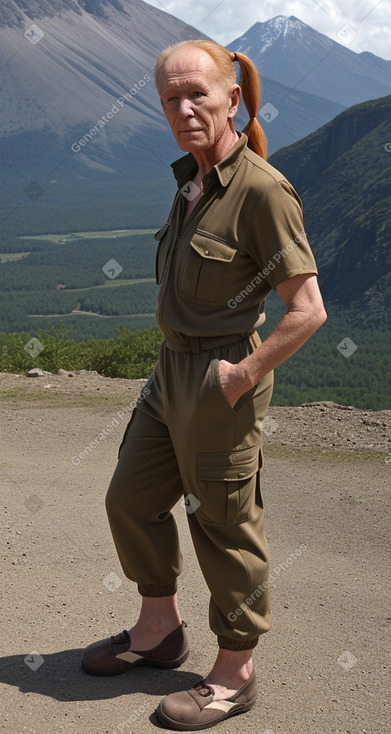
185	107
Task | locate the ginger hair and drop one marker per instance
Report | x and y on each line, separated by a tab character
249	83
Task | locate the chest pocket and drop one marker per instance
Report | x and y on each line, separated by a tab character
205	267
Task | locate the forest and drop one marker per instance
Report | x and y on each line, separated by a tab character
318	371
87	315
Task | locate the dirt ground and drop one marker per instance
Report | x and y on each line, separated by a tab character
323	667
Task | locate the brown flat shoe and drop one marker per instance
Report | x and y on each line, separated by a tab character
113	655
195	709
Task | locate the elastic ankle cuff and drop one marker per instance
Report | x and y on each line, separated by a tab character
229	644
158	590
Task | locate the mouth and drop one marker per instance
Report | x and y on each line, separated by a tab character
191	130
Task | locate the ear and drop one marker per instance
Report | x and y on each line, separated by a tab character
234	95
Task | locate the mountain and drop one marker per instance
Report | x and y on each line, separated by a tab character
290	52
83	138
343	174
83	142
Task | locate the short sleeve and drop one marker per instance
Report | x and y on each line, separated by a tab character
278	242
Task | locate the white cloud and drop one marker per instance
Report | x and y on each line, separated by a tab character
225	20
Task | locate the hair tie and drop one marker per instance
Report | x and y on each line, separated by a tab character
235	58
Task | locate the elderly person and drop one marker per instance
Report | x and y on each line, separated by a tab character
235	231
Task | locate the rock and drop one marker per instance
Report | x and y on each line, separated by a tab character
37	372
326	404
64	373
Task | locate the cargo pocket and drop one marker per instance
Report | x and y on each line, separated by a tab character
204	267
227	484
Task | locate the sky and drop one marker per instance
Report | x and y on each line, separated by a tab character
364	25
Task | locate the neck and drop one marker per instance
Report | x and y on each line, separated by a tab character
206	159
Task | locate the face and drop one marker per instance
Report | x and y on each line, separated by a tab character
198	105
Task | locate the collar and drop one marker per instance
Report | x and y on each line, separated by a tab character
185	168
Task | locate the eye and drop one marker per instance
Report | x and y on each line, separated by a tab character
199	94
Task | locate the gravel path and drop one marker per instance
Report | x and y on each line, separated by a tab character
326	482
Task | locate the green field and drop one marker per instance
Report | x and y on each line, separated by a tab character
62	295
73	236
10	256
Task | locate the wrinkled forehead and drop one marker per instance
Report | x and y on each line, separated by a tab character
187	66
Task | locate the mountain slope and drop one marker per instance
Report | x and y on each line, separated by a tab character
343	173
84	143
289	51
91	71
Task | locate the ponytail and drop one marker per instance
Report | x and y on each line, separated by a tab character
251	91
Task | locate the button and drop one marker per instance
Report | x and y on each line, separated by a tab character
241	475
206	252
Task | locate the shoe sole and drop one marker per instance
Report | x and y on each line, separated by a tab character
181	726
168	664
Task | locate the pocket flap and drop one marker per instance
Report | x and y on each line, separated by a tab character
212	249
228	466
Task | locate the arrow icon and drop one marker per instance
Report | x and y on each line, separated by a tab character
190	503
34	34
268	112
190	190
33	660
347	347
112	268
